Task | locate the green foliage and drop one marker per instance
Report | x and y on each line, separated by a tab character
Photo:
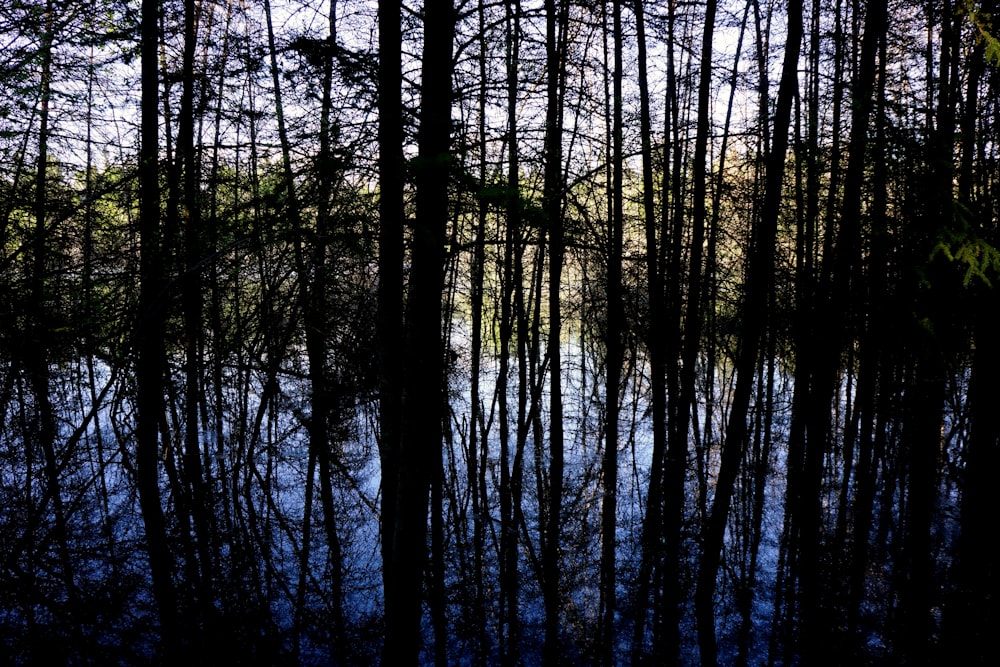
979	257
982	23
992	47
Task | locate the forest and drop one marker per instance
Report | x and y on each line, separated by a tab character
499	332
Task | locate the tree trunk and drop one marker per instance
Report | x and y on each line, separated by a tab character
972	614
477	460
613	362
326	392
38	335
423	377
555	26
390	287
758	285
151	353
655	337
512	281
192	306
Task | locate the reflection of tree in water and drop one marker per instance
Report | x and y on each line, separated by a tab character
768	284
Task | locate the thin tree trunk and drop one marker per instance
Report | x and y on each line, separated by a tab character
476	463
423	377
552	210
326	392
90	345
974	611
676	464
312	300
655	337
216	476
871	374
192	306
512	281
818	620
758	285
971	617
437	601
666	627
305	552
390	288
151	353
614	360
924	400
37	341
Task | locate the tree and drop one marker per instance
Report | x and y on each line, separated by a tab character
656	352
555	26
390	296
423	375
512	290
150	346
613	344
561	324
760	268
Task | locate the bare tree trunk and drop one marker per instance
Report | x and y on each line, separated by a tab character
151	354
818	619
552	207
390	289
423	377
613	363
971	616
676	462
655	353
932	345
477	455
38	335
758	285
668	591
512	282
326	392
192	305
